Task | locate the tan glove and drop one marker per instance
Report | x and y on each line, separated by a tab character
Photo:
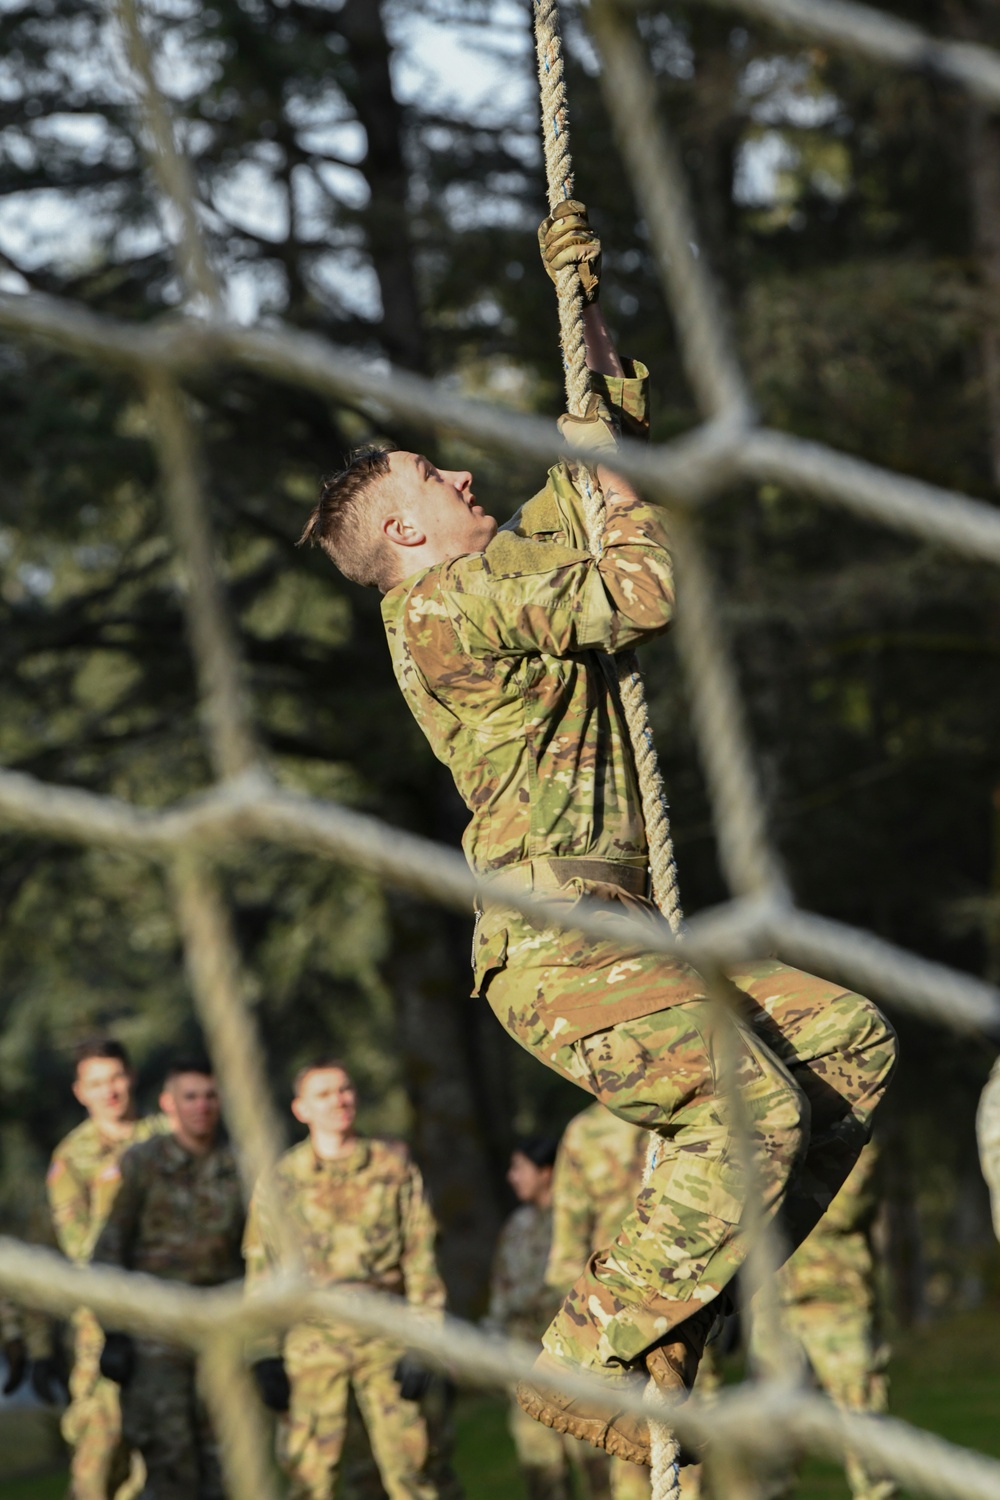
565	238
593	432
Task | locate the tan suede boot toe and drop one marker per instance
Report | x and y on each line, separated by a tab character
617	1432
673	1365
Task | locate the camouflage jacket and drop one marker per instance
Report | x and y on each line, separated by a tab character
175	1215
82	1181
835	1265
598	1174
503	659
521	1305
361	1220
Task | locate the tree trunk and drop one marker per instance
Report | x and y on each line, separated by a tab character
983	155
385	219
430	979
904	1248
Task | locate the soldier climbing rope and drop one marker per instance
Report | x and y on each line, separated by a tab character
559	174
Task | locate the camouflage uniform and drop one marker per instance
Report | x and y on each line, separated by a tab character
81	1183
360	1220
521	1305
504	658
828	1301
179	1217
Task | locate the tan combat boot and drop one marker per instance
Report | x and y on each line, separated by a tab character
617	1432
674	1363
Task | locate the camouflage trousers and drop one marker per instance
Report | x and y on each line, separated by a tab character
164	1416
810	1061
101	1467
311	1437
847	1361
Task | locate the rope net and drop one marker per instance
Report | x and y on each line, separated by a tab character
245	802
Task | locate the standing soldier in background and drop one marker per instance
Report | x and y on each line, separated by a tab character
828	1301
82	1181
178	1214
598	1175
356	1210
599	1172
522	1306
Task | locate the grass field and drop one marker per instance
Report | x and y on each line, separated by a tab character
945	1378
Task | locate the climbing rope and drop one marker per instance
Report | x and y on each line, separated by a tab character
560	184
664	1449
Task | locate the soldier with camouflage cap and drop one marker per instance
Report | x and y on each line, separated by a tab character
828	1301
178	1214
81	1183
521	1306
355	1208
503	644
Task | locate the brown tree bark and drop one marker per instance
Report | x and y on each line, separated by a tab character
430	979
385	219
975	22
983	163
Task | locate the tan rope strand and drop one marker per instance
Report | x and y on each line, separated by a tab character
232	1400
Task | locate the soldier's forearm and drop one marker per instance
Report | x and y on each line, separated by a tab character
615	489
602	356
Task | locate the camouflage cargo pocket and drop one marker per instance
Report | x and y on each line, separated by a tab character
489	955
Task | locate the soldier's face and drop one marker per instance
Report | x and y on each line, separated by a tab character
103	1086
191	1103
434	508
531	1184
326	1102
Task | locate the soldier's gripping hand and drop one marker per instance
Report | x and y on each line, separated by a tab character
118	1358
565	238
412	1377
16	1355
593	432
273	1383
48	1380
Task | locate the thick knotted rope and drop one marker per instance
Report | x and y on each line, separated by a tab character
559	180
663	1446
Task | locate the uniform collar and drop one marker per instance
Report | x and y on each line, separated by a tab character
352	1161
176	1157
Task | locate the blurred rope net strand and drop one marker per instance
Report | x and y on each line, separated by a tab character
246	803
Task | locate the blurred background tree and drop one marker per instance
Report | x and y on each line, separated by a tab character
370	170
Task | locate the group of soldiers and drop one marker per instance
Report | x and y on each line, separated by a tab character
162	1195
575	1195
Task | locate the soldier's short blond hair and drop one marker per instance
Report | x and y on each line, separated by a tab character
320	1065
344	521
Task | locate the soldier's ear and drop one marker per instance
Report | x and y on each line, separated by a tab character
401	531
297	1111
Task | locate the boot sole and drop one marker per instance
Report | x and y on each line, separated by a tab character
594	1430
